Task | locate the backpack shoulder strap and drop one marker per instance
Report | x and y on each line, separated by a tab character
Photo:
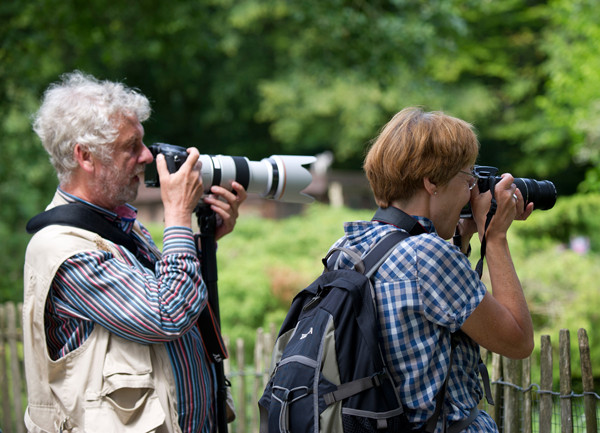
381	251
369	264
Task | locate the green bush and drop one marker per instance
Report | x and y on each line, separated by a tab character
264	263
571	216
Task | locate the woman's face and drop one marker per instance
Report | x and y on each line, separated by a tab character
449	201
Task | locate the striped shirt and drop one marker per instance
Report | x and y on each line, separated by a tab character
95	288
425	290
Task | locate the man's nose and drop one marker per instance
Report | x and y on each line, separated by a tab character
146	156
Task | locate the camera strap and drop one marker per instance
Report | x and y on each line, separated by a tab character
84	217
398	218
212	339
488	219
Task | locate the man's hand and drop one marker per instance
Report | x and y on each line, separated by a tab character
226	204
180	191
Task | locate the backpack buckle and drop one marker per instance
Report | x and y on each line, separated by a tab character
376	378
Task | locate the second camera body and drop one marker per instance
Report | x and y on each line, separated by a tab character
542	193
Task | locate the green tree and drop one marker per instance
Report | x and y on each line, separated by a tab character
341	68
171	51
256	77
571	100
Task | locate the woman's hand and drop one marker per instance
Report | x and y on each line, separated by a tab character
510	206
523	211
502	322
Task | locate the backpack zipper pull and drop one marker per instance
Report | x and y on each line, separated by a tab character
315	300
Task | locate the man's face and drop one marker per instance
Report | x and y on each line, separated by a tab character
119	179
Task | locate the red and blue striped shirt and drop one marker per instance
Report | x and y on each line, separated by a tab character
161	307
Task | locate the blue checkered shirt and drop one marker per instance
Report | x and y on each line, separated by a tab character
425	290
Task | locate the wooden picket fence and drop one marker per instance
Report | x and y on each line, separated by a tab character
12	381
520	405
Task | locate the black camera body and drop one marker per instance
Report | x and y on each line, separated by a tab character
542	193
175	156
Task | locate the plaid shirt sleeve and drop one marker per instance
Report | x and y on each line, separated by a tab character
449	288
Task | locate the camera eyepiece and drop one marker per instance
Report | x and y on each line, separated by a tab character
278	177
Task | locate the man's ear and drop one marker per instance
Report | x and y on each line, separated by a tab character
429	186
84	158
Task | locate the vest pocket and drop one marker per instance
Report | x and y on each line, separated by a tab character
143	414
127	400
43	413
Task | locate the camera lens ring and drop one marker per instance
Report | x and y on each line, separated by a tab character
242	170
275	179
524	189
216	170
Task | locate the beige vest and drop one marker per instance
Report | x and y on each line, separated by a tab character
108	384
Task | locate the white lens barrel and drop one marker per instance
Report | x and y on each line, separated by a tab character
279	177
292	178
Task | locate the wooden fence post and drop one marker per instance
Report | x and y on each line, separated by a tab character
241	413
259	348
527	399
512	406
587	379
270	338
11	390
564	362
496	409
4	386
545	384
16	364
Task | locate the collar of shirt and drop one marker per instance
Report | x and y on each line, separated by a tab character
426	223
361	231
124	216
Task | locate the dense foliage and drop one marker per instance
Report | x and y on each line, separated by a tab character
256	77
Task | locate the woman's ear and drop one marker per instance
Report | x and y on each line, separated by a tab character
429	186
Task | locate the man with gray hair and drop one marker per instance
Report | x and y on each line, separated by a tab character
110	340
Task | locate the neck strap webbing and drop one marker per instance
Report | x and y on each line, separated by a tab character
85	217
398	218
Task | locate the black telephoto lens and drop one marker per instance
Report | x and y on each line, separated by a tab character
542	193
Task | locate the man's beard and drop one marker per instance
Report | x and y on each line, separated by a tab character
119	187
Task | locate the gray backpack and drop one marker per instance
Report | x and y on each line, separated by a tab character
330	374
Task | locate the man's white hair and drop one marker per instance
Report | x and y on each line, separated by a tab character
81	109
